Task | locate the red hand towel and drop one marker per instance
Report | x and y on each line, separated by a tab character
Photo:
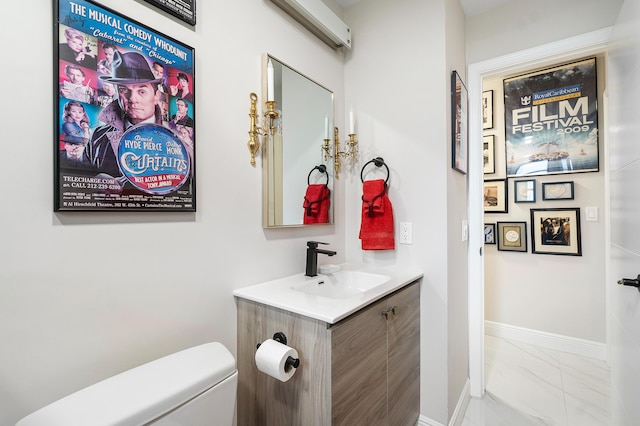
316	204
372	199
376	229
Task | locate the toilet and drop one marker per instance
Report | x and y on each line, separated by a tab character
194	387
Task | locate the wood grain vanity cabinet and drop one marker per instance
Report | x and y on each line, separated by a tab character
362	370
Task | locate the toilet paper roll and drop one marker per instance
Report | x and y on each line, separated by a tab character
271	358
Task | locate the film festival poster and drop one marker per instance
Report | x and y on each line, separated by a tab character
551	120
125	114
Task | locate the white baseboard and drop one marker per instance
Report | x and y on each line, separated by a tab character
458	413
557	342
461	407
426	421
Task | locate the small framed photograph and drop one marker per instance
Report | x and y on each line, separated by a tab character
487	109
556	231
489	233
459	123
557	191
489	154
495	196
512	236
524	191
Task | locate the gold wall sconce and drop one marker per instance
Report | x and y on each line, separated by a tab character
350	150
271	115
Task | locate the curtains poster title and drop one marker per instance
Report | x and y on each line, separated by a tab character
125	114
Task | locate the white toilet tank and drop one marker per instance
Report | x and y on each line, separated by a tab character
194	387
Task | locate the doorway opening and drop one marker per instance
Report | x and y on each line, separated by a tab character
560	51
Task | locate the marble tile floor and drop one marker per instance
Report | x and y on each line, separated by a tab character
528	385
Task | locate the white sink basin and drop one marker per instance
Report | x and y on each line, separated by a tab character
342	284
330	297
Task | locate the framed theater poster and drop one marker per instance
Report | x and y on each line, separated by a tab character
459	119
184	10
551	120
124	114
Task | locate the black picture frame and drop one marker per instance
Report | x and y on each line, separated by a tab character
185	10
487	109
110	158
538	143
556	231
552	191
512	236
496	197
489	154
489	233
524	191
459	124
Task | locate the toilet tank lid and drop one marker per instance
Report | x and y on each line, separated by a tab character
141	394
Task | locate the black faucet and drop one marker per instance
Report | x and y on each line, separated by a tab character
312	257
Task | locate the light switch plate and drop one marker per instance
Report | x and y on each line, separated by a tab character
591	213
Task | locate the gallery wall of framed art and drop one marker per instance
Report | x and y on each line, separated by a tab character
525	105
561	214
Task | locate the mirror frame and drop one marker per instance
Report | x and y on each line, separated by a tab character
268	148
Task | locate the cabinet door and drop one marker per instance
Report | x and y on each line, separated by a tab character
359	369
404	356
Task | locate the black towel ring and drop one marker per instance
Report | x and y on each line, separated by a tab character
379	162
322	169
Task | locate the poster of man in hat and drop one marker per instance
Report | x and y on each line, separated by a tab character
135	159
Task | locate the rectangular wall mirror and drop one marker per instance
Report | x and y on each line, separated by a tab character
291	155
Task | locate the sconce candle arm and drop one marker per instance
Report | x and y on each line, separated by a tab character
271	115
351	150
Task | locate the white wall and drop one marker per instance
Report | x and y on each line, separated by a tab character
563	295
397	79
86	295
457	270
624	66
522	24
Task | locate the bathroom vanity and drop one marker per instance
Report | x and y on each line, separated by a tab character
359	351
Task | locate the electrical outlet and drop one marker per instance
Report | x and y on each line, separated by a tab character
406	233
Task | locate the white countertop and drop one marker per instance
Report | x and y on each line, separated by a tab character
280	293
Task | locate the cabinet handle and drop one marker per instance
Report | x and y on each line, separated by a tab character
391	310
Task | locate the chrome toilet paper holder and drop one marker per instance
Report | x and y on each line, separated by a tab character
280	337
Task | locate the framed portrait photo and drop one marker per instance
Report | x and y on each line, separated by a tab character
512	236
489	154
557	191
524	191
489	233
495	196
556	231
487	109
459	119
